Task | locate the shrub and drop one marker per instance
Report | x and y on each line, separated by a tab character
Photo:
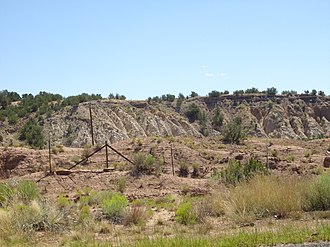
318	194
253	167
236	172
233	173
146	164
217	119
27	191
114	208
196	170
234	131
31	132
194	113
183	169
102	196
185	214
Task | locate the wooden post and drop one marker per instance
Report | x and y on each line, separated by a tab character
91	123
267	162
106	154
172	160
50	156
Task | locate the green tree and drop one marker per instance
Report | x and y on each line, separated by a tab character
32	133
234	131
193	94
193	112
271	91
214	93
252	90
217	119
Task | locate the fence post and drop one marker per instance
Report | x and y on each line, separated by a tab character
91	123
49	156
172	160
106	154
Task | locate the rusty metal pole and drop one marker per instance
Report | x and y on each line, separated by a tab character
106	154
172	160
91	123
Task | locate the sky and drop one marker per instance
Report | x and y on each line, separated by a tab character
147	48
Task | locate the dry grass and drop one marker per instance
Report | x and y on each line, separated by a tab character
266	196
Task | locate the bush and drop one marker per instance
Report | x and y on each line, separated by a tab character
185	214
114	208
193	113
234	131
183	169
196	170
236	172
318	194
31	132
217	119
146	164
233	173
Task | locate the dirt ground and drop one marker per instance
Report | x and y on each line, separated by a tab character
280	155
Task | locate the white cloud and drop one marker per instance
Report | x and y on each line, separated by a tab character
209	74
223	74
204	66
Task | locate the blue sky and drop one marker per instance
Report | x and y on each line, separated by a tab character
147	48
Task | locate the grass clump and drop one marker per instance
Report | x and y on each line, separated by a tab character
114	207
264	196
318	194
6	193
27	191
135	215
185	214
